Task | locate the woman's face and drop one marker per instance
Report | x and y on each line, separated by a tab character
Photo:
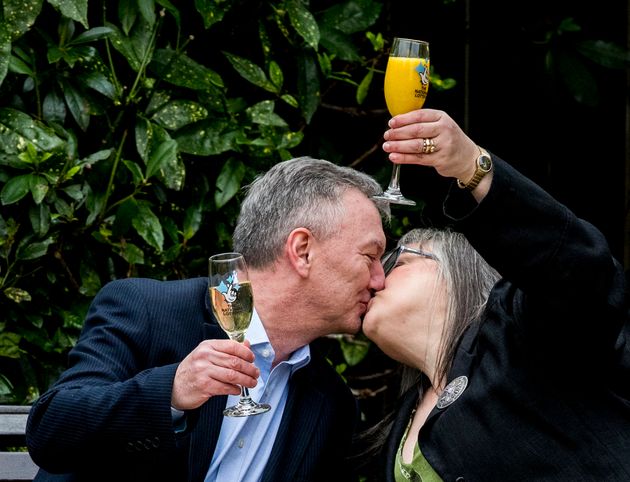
407	316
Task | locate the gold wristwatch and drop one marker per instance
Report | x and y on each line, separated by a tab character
483	167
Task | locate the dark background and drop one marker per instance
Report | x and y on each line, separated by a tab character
510	103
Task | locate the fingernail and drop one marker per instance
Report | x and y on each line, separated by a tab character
385	146
391	123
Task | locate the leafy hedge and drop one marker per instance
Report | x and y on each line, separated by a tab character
126	131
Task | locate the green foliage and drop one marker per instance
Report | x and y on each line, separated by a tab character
126	132
569	58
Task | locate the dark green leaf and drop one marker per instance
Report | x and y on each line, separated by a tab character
132	254
34	250
75	192
192	220
95	204
339	44
351	16
127	14
180	70
18	129
228	182
303	22
40	219
78	104
178	113
262	113
90	282
15	189
148	226
364	87
18	66
10	342
275	74
17	295
19	16
136	172
5	51
63	208
38	186
251	72
164	153
212	11
100	83
206	138
74	9
289	99
144	138
290	140
147	10
91	35
308	86
354	350
577	78
54	108
96	156
607	54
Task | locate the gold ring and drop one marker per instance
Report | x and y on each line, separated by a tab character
428	146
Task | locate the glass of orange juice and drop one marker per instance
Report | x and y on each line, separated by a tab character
406	87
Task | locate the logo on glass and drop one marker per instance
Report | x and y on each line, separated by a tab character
229	288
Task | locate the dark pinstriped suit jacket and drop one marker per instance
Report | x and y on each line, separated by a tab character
108	416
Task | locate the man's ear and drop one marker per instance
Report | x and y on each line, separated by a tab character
299	247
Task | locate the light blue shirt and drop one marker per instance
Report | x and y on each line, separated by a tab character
245	443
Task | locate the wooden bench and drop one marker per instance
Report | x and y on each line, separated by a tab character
15	463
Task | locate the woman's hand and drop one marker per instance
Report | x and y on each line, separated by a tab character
407	141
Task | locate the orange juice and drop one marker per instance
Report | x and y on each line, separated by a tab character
406	84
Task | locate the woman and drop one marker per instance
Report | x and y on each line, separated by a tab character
520	378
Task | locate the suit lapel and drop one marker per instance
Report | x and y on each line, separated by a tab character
462	363
299	422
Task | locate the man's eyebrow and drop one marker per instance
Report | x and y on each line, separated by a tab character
378	243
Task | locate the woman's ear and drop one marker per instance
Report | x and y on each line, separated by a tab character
298	248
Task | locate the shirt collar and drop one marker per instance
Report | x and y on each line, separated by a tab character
257	337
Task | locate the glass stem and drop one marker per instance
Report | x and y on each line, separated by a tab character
245	393
394	183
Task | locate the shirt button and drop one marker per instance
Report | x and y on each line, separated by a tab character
241	443
266	353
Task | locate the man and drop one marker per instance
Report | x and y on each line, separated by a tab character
151	373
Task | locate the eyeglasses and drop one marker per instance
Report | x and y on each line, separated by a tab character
390	258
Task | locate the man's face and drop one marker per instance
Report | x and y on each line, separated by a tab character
348	270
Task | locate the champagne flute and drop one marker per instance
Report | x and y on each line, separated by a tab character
233	304
406	86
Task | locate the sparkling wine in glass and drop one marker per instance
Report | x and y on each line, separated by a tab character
233	304
406	86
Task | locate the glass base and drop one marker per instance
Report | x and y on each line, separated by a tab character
246	407
394	197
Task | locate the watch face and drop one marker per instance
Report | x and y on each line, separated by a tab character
485	163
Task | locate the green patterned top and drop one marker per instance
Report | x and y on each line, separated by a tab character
419	470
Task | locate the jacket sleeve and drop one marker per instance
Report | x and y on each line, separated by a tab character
569	287
109	404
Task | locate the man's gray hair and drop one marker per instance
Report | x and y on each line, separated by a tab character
301	192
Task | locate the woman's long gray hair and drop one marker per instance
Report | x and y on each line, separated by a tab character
301	192
468	280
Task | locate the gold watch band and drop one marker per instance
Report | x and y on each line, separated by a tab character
483	167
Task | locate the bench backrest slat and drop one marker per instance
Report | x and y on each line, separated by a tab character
14	466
